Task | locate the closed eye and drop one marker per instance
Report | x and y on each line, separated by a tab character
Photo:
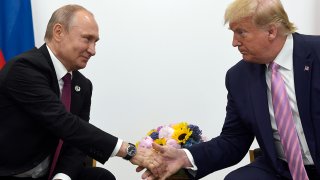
90	39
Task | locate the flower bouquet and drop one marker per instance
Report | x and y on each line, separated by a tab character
179	135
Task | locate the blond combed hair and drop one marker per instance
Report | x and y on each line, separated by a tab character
64	15
262	12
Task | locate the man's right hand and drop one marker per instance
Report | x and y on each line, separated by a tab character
170	161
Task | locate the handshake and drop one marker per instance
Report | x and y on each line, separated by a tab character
160	151
160	162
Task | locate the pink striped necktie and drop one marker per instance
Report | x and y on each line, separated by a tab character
66	100
286	127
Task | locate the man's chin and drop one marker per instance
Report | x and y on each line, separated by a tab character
81	66
253	61
248	59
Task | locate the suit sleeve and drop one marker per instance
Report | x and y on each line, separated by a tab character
30	88
229	147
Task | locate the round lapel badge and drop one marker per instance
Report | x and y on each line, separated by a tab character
77	88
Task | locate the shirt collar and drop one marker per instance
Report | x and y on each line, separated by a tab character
284	58
58	66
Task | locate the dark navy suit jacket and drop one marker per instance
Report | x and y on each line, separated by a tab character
33	119
247	114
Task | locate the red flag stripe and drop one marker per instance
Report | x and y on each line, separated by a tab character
2	61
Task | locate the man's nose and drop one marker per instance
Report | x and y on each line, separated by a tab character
235	42
92	49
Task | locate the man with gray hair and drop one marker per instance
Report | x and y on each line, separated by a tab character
45	108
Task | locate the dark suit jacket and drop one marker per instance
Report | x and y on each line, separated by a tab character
248	115
33	119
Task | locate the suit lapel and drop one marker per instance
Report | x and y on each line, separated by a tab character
76	88
302	64
258	92
43	49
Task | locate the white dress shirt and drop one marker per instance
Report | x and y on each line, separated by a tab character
285	60
41	169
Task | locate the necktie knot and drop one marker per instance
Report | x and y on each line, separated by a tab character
67	78
274	66
66	91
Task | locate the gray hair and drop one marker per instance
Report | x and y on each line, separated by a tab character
63	16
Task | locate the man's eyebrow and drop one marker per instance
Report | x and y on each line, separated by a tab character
91	37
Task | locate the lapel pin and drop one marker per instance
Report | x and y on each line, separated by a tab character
306	68
77	88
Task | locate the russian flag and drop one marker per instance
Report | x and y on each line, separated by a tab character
16	28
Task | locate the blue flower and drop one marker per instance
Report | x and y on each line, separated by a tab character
196	132
190	142
154	135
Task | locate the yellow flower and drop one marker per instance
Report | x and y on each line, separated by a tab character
137	144
181	132
161	141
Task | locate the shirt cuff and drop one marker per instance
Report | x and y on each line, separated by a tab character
190	157
192	170
117	148
61	176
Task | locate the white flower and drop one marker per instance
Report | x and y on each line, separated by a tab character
166	132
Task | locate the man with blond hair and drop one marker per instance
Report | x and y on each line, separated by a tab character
273	96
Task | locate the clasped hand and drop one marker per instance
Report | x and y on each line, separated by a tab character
159	162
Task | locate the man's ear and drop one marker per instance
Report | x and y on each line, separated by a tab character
272	31
57	32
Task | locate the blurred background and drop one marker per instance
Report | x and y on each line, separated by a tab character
160	62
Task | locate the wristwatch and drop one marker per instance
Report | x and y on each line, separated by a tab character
131	151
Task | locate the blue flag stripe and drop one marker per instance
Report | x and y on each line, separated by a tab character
16	27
